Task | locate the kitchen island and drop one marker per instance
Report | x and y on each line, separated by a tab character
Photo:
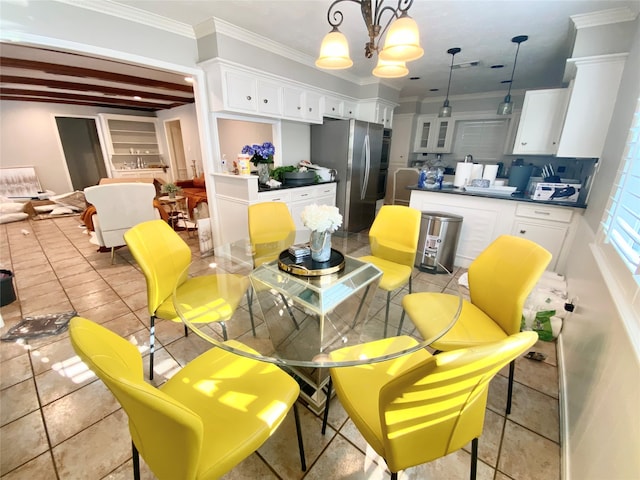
234	194
551	224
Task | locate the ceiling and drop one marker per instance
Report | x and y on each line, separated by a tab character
482	29
45	75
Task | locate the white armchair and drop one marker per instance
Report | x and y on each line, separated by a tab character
120	206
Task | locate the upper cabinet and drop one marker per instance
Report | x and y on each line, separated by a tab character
593	96
237	89
433	134
541	122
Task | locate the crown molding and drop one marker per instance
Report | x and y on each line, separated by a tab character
604	17
133	14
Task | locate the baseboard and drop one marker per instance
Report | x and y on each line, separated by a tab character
563	413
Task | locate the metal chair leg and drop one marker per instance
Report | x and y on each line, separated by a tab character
224	331
113	255
401	322
286	304
512	370
186	331
325	417
136	462
394	475
152	338
386	314
474	458
303	462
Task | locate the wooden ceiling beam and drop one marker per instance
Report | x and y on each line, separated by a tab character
81	87
79	102
72	71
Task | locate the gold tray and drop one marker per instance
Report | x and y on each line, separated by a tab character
306	267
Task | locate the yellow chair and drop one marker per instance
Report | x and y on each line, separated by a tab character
417	408
393	239
271	230
500	280
203	421
163	258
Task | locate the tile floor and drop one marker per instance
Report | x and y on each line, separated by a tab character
57	421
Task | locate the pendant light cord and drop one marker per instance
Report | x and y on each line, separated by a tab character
450	71
519	39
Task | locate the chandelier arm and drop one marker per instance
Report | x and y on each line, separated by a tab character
397	12
337	15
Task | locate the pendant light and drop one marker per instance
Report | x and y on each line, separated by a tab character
506	107
445	110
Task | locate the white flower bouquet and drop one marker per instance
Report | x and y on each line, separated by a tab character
321	218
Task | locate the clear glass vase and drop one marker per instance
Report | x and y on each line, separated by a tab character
320	245
264	172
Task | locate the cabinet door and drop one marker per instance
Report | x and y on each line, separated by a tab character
269	98
425	129
312	107
547	235
332	107
541	122
293	100
241	92
349	109
443	138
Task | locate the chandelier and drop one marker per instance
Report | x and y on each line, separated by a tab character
402	43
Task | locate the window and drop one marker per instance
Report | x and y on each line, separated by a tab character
621	224
617	248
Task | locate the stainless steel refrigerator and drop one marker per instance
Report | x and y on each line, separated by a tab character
354	149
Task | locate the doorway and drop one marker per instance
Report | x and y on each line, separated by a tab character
176	150
82	151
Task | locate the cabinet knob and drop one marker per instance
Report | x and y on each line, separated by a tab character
310	109
248	97
333	109
523	143
265	100
522	232
299	108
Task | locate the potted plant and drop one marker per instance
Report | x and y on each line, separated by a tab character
171	189
261	157
292	175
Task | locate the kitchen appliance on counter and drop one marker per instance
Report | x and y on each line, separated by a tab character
519	176
354	149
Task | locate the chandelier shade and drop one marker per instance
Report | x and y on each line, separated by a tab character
506	106
402	42
445	110
390	69
334	52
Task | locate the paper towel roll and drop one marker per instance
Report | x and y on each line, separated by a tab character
490	172
463	174
476	171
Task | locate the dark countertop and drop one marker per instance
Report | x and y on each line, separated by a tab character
264	188
518	197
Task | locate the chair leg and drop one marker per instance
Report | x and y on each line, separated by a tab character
303	462
474	458
386	314
152	341
401	322
512	370
325	417
113	255
136	462
249	301
186	331
224	331
394	475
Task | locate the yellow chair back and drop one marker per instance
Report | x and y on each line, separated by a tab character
394	234
502	277
163	257
271	230
166	433
438	406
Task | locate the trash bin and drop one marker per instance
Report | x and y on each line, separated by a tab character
438	241
7	293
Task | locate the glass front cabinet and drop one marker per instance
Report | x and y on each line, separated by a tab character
433	134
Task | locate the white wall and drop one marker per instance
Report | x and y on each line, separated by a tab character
601	367
190	133
29	137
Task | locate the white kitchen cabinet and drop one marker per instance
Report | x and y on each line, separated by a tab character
312	107
593	97
158	173
251	94
541	122
377	111
433	134
299	104
349	109
484	219
332	106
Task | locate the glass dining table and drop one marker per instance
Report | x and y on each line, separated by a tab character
296	316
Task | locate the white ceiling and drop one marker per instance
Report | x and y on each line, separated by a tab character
482	29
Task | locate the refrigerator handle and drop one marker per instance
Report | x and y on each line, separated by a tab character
367	165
